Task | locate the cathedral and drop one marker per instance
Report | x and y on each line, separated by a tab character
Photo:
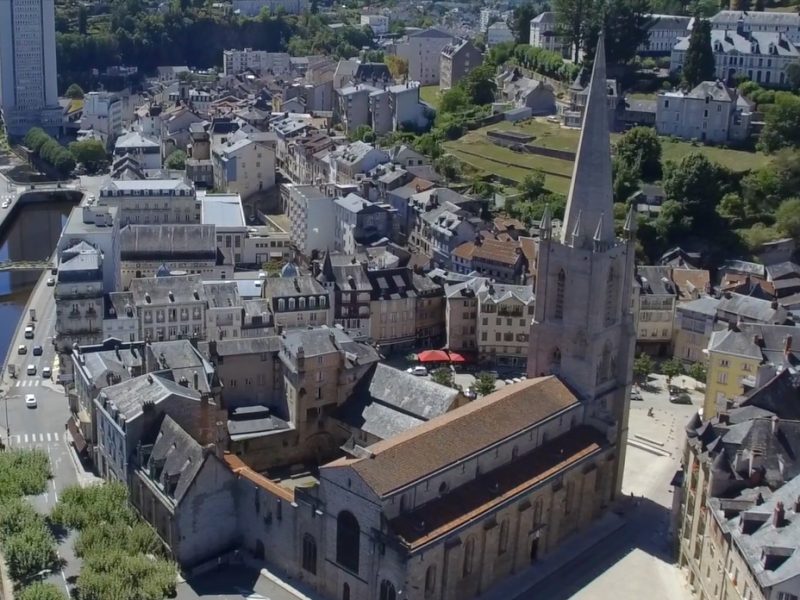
447	509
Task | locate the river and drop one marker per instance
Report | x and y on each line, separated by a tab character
32	236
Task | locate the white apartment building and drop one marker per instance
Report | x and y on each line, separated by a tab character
378	23
544	34
298	302
311	216
785	23
498	33
664	33
79	295
28	77
146	151
762	57
243	166
103	113
711	112
225	213
224	314
151	201
169	308
350	162
259	61
252	8
99	227
423	51
658	295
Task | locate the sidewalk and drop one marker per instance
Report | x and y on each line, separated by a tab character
517	585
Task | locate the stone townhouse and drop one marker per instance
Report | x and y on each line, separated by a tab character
457	61
169	308
297	301
151	201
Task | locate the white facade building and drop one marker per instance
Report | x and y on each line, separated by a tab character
260	61
28	78
785	23
146	151
252	8
102	112
243	167
711	112
762	57
664	33
544	34
378	23
498	33
151	201
423	51
311	215
98	226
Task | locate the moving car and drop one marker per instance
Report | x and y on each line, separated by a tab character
6	204
51	282
31	369
30	400
418	370
37	350
47	372
22	349
29	333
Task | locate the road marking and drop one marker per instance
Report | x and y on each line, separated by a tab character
26	438
55	436
48	437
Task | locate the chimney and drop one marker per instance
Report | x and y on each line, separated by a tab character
758	340
212	348
196	380
724	418
774	305
778	515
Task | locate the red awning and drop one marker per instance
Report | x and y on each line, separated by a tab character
455	357
77	437
433	356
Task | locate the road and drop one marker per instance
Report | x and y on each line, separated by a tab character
44	426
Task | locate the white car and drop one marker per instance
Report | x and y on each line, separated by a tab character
30	400
47	372
31	369
6	204
418	370
50	282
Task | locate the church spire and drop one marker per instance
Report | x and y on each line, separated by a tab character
576	231
590	192
546	224
631	222
599	240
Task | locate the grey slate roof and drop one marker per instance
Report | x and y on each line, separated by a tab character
783	269
707	305
326	340
283	287
130	396
185	289
240	346
167	241
753	309
179	455
754	43
389	401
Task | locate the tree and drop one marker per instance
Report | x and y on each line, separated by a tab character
625	24
398	67
793	75
40	591
640	149
176	160
698	64
454	100
787	218
521	22
532	186
733	209
88	152
448	167
573	19
443	376
484	383
697	371
74	92
626	181
83	18
480	85
642	367
697	184
672	368
781	123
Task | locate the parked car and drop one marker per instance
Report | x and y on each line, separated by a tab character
50	282
37	350
30	400
682	398
31	369
47	372
636	395
418	370
22	349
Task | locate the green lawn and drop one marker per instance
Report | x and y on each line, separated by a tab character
430	94
476	149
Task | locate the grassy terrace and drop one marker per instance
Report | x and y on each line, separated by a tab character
430	94
477	150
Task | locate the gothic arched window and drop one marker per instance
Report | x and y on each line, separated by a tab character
387	591
430	581
502	543
611	297
348	537
469	555
310	553
560	284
